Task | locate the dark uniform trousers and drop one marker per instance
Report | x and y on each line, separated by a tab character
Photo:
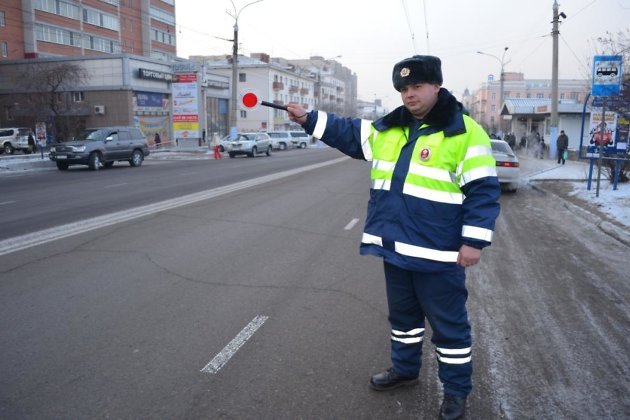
440	298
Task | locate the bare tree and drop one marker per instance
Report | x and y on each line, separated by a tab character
49	88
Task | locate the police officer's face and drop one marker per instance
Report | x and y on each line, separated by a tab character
419	98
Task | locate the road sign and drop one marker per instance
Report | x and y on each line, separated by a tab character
606	75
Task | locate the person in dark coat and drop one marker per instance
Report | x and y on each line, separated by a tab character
562	143
157	140
31	143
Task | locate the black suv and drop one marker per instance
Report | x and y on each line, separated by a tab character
98	147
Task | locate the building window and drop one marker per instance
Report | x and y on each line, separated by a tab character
243	114
562	96
493	96
163	37
58	7
57	35
78	97
493	108
5	49
2	19
96	18
162	16
540	96
242	77
101	44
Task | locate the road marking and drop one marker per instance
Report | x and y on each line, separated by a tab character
351	224
19	243
7	202
116	185
233	346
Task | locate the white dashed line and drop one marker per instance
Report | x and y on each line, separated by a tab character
351	224
233	346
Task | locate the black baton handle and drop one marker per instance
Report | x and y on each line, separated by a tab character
269	104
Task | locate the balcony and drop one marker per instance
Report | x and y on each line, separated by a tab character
277	86
277	102
304	91
339	89
293	89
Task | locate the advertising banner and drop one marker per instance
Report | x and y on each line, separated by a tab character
186	107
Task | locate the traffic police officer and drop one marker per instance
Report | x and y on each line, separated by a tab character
432	209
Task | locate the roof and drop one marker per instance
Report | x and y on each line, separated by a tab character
540	106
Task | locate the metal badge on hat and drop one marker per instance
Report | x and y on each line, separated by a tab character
404	72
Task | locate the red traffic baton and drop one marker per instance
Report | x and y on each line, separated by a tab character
249	100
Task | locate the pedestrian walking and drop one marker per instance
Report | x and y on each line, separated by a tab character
433	205
157	140
562	144
217	146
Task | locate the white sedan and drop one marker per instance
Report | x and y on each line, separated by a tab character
508	169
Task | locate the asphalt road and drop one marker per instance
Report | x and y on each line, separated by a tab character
255	304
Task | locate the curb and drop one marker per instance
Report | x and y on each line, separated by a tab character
608	228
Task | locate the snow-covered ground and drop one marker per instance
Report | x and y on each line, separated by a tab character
615	203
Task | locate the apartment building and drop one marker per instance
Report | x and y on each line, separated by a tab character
52	28
484	104
326	86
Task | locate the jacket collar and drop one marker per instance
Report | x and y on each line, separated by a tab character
446	115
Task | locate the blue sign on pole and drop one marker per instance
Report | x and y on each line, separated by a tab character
606	75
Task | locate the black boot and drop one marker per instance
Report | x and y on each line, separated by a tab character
389	379
453	408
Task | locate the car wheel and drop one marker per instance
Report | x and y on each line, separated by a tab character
302	145
8	149
62	166
283	146
254	151
94	161
136	158
221	148
109	164
231	155
268	151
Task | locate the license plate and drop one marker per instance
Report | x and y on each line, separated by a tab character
61	157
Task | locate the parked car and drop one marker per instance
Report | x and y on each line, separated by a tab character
101	147
281	140
250	144
508	167
300	139
12	139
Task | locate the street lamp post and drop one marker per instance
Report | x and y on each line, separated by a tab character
235	15
502	80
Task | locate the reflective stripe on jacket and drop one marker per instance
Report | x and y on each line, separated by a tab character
434	188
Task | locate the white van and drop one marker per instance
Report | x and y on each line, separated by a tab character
12	139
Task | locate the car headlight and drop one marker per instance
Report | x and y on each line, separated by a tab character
53	149
78	148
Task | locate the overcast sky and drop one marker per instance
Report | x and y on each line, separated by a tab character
372	35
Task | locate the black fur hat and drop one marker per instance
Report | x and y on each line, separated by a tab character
417	69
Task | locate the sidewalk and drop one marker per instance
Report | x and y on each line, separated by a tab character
610	211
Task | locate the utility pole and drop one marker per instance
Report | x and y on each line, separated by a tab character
553	129
236	14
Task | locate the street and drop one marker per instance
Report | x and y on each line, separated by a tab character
123	319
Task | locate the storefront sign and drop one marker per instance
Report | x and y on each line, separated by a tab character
155	75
